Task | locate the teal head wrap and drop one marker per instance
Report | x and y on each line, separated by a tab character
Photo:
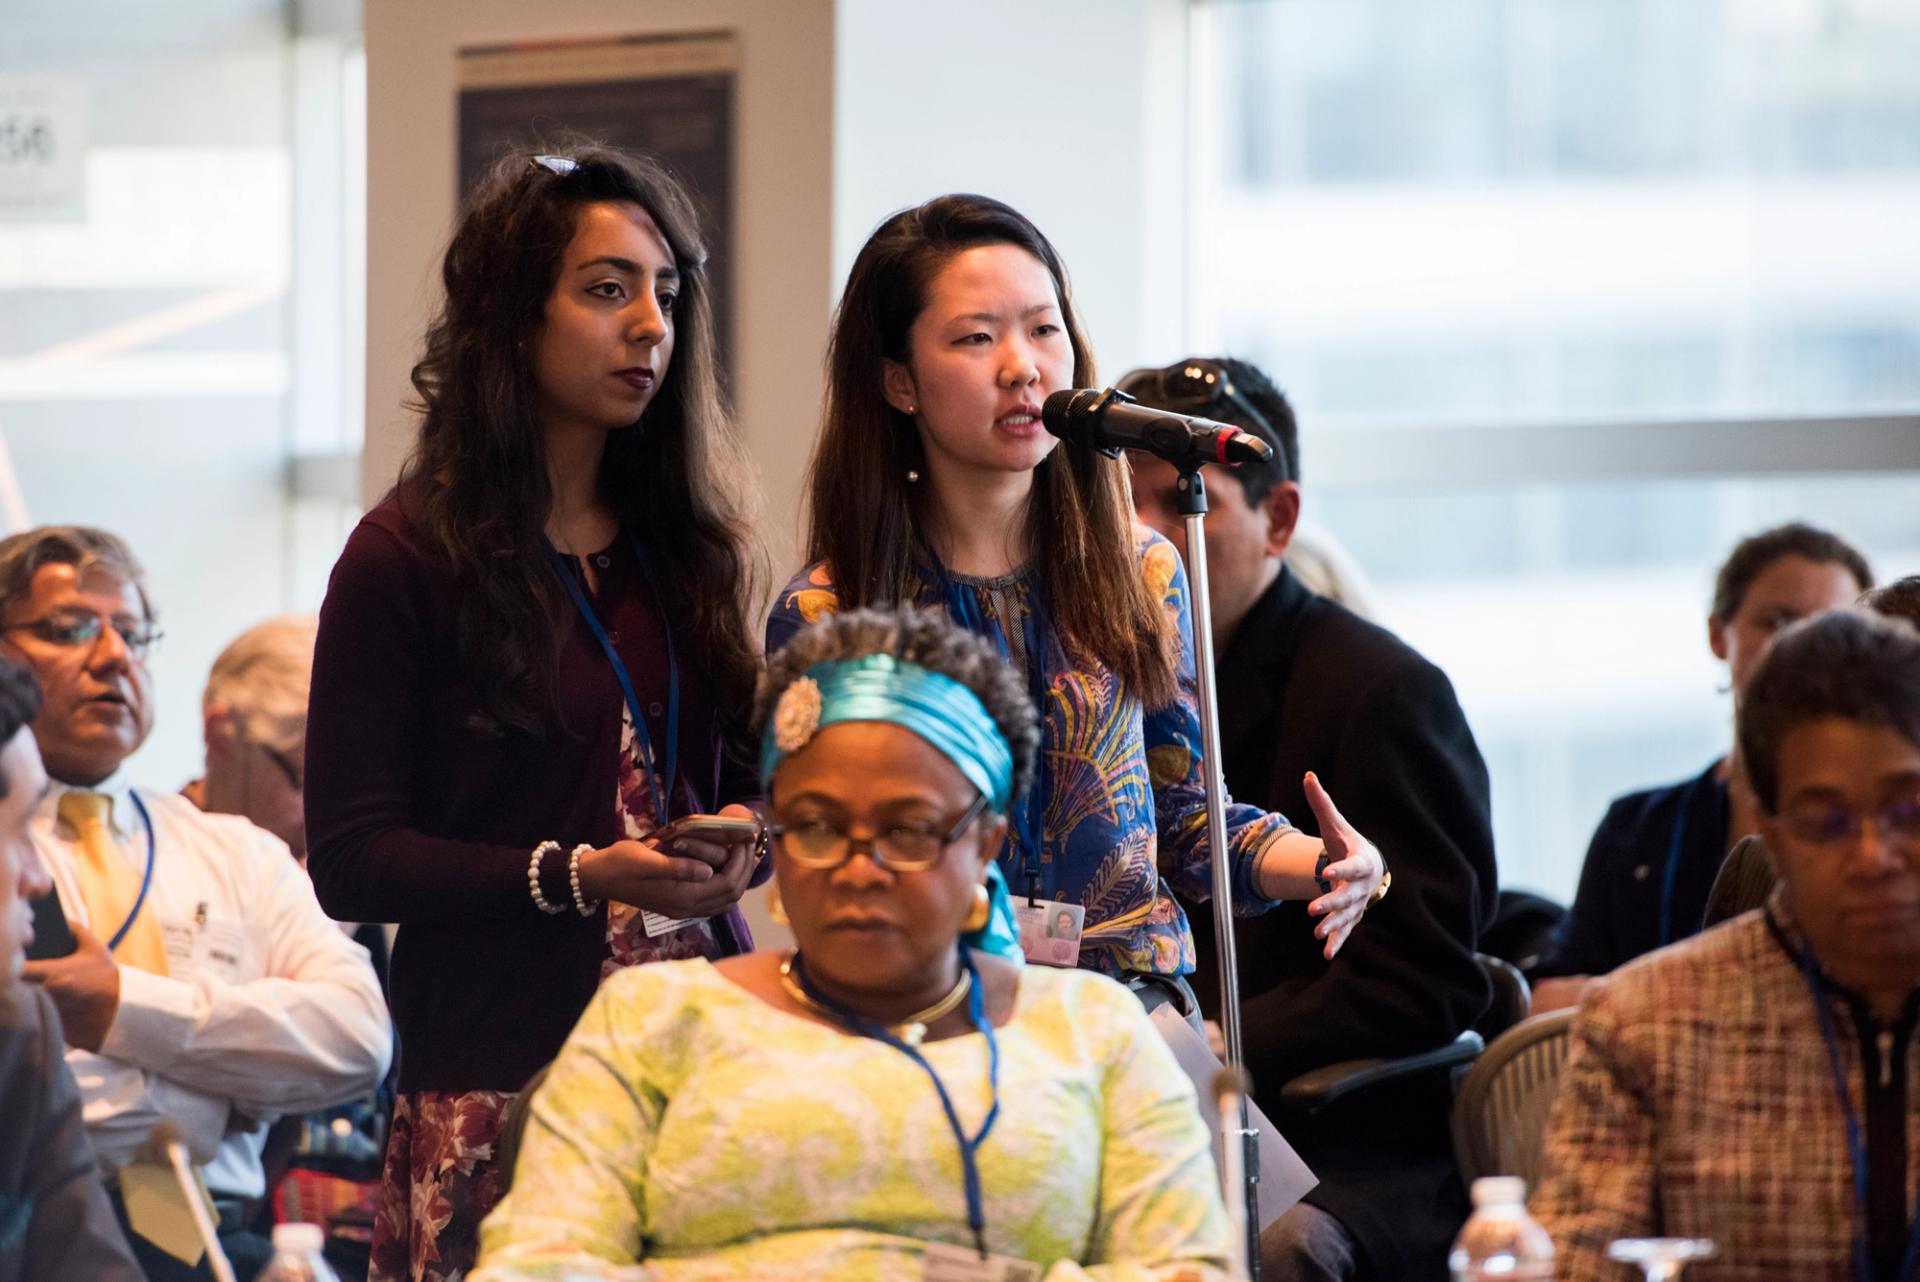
882	687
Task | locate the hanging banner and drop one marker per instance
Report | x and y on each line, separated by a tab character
671	96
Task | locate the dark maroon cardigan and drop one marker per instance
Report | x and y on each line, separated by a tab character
413	817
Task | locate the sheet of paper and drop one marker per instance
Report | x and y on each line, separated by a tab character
1284	1178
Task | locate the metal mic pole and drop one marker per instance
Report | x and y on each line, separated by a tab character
1192	503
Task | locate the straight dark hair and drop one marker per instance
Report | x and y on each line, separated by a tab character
477	479
868	524
1752	556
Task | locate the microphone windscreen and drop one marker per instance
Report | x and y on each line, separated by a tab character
1231	1079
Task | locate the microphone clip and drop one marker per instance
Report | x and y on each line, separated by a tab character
1112	396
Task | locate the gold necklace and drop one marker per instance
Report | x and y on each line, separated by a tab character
912	1030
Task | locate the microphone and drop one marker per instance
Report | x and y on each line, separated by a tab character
1112	421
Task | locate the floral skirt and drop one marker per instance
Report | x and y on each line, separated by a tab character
443	1173
441	1179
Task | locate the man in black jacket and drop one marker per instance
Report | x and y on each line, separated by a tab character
55	1222
1305	684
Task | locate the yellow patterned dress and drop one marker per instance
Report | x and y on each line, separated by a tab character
691	1132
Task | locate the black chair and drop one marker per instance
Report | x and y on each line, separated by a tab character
513	1127
1500	1115
1318	1088
1745	879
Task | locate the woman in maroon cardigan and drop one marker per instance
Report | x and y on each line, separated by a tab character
533	652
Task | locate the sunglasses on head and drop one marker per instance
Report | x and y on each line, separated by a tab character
1200	388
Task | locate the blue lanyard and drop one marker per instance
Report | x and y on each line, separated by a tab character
969	1148
1670	875
1856	1142
146	878
662	788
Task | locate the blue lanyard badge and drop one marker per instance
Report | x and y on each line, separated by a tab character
660	785
1856	1140
969	1147
146	878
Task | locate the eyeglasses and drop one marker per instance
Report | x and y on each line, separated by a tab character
824	845
1193	387
286	767
1825	824
558	165
82	628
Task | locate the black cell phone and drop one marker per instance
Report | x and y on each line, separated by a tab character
52	937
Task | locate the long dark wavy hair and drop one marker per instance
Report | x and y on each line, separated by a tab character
476	482
867	523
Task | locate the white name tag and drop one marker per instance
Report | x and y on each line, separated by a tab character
658	925
1050	931
945	1262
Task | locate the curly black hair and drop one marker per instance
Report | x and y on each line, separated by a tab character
929	639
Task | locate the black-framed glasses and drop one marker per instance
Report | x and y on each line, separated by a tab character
823	844
294	776
77	629
1200	387
1830	824
560	166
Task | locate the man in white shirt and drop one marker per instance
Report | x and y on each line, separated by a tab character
208	987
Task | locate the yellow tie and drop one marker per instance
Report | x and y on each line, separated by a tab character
108	884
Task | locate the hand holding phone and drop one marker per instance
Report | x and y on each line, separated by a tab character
708	838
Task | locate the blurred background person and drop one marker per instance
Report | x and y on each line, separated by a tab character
255	718
1650	868
1306	684
322	1167
884	1100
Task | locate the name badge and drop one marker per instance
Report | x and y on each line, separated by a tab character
1050	930
206	946
658	924
945	1262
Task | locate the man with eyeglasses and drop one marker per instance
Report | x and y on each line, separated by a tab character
1758	1084
1306	684
207	988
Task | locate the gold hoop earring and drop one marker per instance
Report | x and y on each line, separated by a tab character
776	909
982	910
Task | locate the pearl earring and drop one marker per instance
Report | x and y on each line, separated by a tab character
913	476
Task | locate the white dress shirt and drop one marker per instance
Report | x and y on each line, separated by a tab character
267	1008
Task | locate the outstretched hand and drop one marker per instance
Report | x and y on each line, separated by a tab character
1355	871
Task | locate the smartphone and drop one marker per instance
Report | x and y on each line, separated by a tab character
52	937
716	830
722	830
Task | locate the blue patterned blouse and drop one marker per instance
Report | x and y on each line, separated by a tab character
1119	797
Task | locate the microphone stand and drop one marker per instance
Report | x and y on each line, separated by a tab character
1192	505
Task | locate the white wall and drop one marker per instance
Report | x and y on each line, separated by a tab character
1071	111
783	165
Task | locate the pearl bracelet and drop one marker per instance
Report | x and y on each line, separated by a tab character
533	878
580	903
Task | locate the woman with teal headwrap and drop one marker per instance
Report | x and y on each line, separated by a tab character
885	1096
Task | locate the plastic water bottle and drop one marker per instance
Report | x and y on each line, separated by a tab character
1500	1240
297	1257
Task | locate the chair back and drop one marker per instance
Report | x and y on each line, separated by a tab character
1511	997
1745	879
513	1126
1500	1115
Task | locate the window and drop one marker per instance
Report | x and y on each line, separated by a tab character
1570	295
